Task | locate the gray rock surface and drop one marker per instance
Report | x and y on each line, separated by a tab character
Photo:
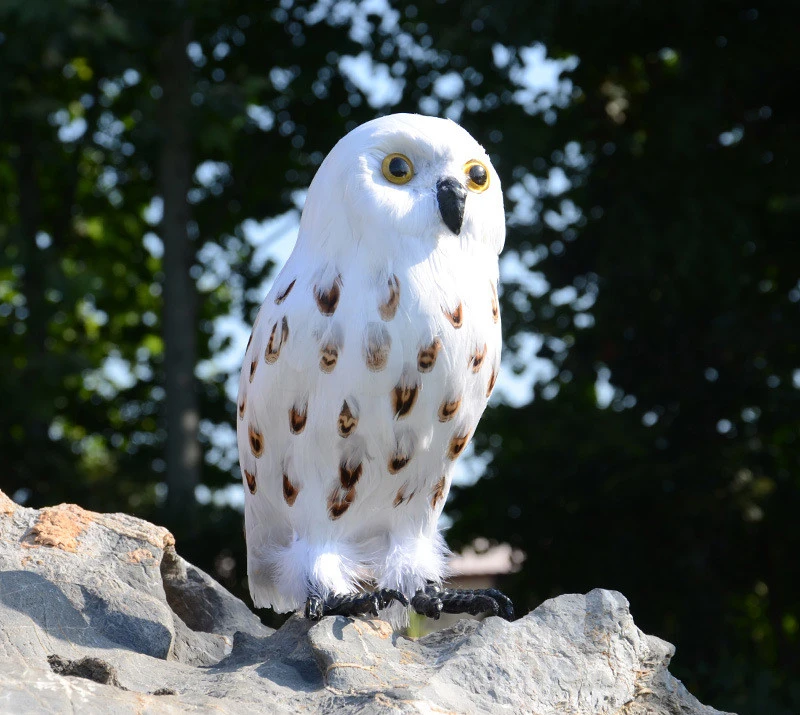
98	614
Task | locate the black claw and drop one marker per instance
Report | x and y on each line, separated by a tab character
387	595
353	604
427	604
374	602
434	600
506	606
314	608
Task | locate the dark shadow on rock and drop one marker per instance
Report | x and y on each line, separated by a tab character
202	603
192	599
246	650
47	606
338	628
131	632
96	626
297	672
286	657
89	668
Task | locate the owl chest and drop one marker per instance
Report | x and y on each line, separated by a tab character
454	298
442	340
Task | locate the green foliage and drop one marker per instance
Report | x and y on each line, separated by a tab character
651	189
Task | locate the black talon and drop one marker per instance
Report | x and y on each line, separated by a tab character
352	604
433	600
506	606
387	595
314	608
427	603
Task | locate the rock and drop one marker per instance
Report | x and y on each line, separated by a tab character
99	614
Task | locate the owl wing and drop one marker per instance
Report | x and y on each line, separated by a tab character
281	363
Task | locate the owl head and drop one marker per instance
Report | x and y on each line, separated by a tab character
401	178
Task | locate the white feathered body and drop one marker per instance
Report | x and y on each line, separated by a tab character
370	364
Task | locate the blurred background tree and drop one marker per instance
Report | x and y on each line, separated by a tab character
645	437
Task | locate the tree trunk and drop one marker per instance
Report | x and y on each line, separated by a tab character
180	298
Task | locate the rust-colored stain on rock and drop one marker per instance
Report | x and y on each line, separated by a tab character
7	506
59	527
373	627
138	555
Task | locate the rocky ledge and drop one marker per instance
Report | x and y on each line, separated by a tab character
98	614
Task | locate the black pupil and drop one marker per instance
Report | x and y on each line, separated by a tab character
399	167
478	174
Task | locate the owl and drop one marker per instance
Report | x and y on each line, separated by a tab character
369	365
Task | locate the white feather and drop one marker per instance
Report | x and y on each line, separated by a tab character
330	512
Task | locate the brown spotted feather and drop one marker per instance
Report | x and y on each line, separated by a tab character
388	309
298	415
401	496
426	358
349	476
276	340
495	306
282	295
476	359
448	409
457	445
398	461
456	317
290	491
328	298
492	381
328	357
339	502
438	492
256	441
377	344
403	398
347	422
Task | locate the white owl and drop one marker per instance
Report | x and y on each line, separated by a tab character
370	363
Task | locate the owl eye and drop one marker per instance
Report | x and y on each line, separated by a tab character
397	168
477	176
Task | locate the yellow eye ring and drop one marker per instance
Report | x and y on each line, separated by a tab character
397	169
477	176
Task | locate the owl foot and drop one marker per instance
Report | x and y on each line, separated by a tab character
433	600
352	604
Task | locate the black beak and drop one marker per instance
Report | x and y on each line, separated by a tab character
451	196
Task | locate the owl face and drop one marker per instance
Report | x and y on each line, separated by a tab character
409	177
